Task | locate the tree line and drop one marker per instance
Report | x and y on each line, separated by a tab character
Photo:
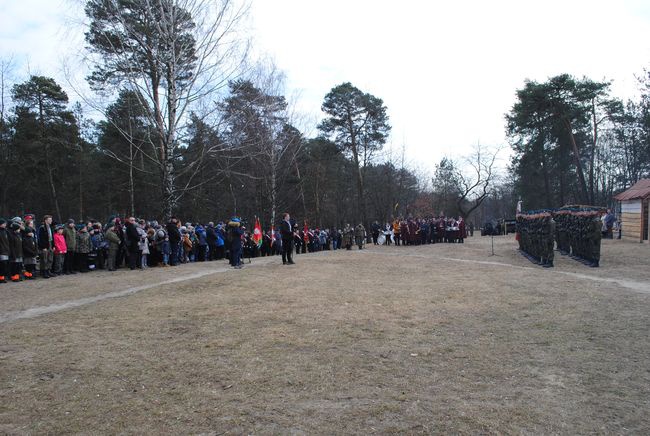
575	143
188	125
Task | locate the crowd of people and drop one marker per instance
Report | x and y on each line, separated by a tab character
49	249
576	231
418	231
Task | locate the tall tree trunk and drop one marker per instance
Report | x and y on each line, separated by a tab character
576	159
131	183
360	199
547	183
593	153
302	189
81	191
273	187
48	161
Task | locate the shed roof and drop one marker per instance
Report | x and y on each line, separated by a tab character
640	189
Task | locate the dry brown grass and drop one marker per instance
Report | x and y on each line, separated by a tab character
386	340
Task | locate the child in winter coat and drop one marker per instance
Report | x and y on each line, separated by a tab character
30	247
60	249
164	247
16	250
187	245
143	247
4	251
84	246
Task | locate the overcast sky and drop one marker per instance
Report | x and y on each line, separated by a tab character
447	72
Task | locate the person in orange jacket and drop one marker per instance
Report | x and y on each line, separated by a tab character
396	231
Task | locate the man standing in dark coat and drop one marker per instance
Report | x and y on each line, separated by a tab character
375	232
461	230
132	237
235	232
211	238
286	230
45	246
174	236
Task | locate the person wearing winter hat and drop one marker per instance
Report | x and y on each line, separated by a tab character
174	236
60	249
113	246
16	251
84	246
45	245
4	251
235	233
30	249
71	257
186	242
132	237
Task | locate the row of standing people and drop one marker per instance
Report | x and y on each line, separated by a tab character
49	250
63	249
419	231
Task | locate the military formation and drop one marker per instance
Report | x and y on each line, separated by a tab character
579	232
575	229
535	233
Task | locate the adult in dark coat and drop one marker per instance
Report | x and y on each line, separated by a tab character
16	251
404	232
45	246
174	235
235	233
461	230
30	249
286	230
211	238
375	232
132	239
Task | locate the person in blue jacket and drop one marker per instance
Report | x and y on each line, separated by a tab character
203	243
235	232
221	241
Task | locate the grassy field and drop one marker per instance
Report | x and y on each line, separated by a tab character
438	338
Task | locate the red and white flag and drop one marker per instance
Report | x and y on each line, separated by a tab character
257	233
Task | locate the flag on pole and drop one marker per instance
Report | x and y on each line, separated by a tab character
257	233
306	232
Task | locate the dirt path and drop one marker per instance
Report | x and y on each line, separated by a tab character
52	308
636	286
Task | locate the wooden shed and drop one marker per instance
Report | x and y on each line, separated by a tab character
634	211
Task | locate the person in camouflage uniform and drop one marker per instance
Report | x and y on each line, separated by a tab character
594	236
359	235
536	237
577	228
348	236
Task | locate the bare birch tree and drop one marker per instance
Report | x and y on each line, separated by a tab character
476	176
258	118
173	54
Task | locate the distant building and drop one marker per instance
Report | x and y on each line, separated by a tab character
634	211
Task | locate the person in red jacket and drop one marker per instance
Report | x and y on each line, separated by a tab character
461	230
60	249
